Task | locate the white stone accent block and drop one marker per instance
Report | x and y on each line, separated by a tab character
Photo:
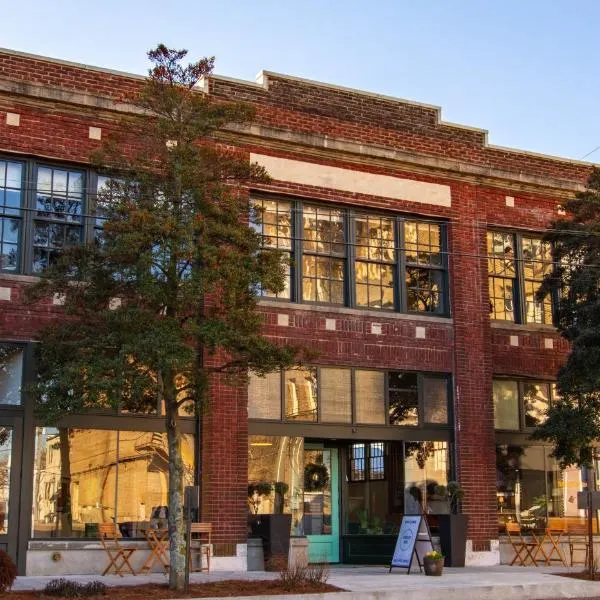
95	133
171	144
514	340
5	293
420	333
510	201
283	320
376	328
13	119
350	180
549	343
561	211
58	299
330	324
114	303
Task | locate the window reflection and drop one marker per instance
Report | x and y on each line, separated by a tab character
502	274
531	487
301	394
11	183
5	466
506	404
276	477
11	373
403	398
83	477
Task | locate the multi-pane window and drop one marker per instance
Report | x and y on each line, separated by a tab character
273	220
517	265
375	261
11	218
366	461
11	373
323	259
403	398
355	259
502	274
521	404
537	263
343	395
58	221
424	266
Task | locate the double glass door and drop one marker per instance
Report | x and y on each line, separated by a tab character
10	448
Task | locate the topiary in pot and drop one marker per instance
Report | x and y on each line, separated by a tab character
8	572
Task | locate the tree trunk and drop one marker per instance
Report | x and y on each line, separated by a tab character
176	535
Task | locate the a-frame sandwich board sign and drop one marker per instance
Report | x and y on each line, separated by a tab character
414	539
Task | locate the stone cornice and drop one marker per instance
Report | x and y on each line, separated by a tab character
317	146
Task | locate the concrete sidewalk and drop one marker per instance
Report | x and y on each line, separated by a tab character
375	583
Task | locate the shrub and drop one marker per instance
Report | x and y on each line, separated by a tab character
8	571
66	588
300	575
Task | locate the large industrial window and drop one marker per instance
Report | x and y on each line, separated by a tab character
521	404
517	265
343	257
343	395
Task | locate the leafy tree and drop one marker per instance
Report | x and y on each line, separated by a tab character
573	420
164	300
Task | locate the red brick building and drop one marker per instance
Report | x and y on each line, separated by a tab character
416	254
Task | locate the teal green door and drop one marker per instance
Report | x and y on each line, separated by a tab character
321	504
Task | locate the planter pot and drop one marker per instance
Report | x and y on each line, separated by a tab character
433	566
453	538
274	530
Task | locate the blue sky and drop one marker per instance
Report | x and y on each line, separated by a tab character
525	70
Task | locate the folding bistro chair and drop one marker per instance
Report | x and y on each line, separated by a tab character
524	550
118	555
200	545
557	527
578	540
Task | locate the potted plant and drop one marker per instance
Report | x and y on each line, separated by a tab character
433	562
281	488
453	526
273	529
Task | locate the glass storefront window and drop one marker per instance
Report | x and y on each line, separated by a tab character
435	400
388	479
426	468
83	477
531	486
11	373
301	394
5	465
403	398
536	400
370	397
506	404
264	396
335	395
276	477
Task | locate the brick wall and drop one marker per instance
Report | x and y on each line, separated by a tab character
466	346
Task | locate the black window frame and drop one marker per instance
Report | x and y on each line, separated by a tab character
521	383
400	264
367	459
353	423
29	210
520	281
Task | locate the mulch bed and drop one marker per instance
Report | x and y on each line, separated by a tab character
584	575
197	590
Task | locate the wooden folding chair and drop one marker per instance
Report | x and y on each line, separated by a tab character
524	550
200	545
118	555
578	540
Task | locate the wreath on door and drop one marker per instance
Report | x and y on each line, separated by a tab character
316	477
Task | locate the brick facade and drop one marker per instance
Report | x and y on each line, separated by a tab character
315	123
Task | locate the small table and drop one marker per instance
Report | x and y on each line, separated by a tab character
158	540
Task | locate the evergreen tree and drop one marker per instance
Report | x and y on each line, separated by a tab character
573	420
172	276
